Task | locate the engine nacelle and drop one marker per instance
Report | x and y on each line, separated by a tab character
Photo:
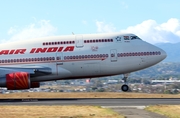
18	81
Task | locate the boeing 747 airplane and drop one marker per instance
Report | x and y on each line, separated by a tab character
24	64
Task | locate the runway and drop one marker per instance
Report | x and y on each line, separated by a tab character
130	108
96	102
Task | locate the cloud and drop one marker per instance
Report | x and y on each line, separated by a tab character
149	30
153	32
104	27
41	28
12	30
124	5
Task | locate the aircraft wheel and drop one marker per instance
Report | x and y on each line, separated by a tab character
125	88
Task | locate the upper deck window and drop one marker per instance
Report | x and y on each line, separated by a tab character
134	37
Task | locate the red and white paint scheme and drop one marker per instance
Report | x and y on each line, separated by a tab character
24	64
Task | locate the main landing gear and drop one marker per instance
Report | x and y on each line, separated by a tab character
125	87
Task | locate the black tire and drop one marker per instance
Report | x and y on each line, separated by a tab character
124	88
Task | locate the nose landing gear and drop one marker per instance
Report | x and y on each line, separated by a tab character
125	87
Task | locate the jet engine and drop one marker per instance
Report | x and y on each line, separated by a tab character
19	80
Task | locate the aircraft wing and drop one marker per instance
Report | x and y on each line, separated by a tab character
17	78
32	70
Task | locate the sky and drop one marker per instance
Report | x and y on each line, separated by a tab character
155	21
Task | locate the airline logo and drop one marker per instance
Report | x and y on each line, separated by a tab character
118	38
38	50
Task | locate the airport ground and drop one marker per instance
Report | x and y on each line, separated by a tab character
72	105
57	112
86	95
87	112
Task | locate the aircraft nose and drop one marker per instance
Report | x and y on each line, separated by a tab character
160	55
163	54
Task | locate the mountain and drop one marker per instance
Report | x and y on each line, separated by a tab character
172	50
170	67
160	70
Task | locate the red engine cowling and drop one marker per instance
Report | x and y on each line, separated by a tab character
18	81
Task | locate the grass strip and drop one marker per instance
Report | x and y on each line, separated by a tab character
171	111
86	95
57	112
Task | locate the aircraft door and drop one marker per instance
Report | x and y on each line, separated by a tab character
59	60
113	55
79	41
59	57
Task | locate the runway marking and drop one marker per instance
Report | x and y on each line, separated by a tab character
124	107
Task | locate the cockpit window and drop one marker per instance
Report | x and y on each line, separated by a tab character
134	37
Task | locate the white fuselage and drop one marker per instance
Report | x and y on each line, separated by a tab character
80	56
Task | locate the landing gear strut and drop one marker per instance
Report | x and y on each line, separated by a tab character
125	87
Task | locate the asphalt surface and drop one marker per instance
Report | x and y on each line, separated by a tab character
135	112
131	108
97	102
